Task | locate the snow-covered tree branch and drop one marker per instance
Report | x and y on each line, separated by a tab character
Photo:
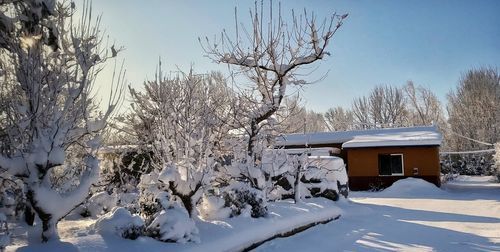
51	108
270	54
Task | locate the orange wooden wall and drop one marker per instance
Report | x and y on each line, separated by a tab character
364	161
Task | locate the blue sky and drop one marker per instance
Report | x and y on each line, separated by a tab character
381	42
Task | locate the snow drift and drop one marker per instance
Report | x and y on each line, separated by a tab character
411	187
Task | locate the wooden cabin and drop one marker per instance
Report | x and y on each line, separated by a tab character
377	158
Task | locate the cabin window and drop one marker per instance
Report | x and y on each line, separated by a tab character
390	164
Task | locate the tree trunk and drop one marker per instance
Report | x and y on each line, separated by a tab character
29	215
188	204
251	139
48	223
187	200
297	184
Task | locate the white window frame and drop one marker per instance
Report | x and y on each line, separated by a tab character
402	166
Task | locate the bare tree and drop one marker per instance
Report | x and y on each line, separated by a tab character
50	123
361	112
270	54
290	117
339	119
423	105
473	109
383	107
295	118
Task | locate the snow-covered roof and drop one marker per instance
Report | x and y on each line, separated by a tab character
408	136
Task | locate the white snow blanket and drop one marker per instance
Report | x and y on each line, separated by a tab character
232	234
411	215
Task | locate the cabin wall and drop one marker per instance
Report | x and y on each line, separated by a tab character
418	161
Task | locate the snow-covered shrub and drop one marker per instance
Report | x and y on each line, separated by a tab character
213	208
326	177
243	186
120	222
130	201
12	197
281	168
4	232
165	217
122	167
153	196
52	109
468	163
99	204
173	224
245	200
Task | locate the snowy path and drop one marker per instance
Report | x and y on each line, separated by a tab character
465	216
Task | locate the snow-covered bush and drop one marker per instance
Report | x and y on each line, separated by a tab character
51	110
166	218
130	201
120	222
173	224
245	200
12	197
468	163
213	208
122	167
153	197
242	185
281	168
325	177
180	119
99	204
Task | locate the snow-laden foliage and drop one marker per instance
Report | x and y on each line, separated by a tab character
245	200
99	204
153	197
173	224
468	163
271	58
239	179
120	222
180	119
166	215
325	177
122	167
213	208
49	123
12	196
130	201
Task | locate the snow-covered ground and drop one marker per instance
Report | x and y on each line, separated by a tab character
232	234
412	215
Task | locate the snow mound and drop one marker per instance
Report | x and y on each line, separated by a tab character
119	222
100	203
174	225
411	187
212	208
